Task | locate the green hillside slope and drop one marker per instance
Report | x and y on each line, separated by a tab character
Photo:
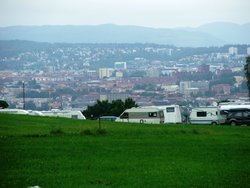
58	152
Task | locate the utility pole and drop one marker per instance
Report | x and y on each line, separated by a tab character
23	95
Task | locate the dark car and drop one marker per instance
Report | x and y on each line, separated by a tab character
238	117
108	118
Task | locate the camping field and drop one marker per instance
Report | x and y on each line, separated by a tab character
58	152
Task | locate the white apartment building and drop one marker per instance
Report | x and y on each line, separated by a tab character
105	72
120	65
184	85
233	51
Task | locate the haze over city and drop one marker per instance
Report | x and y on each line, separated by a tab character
149	13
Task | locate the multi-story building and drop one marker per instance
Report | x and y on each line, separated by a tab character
105	72
114	96
120	65
233	51
184	85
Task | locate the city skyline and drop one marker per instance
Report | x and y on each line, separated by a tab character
157	13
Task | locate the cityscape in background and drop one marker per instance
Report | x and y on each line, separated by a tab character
73	76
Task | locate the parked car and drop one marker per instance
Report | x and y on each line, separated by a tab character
108	118
238	117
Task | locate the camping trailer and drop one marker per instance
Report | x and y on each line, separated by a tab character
14	111
35	113
54	113
64	113
206	115
149	115
172	113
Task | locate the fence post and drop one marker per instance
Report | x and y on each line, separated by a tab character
99	123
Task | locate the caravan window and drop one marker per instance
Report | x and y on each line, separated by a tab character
170	109
201	114
124	115
152	114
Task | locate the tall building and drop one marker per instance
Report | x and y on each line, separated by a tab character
120	65
233	51
184	85
105	72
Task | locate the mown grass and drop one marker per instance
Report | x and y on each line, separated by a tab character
58	152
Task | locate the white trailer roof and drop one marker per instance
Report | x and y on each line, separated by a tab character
234	106
144	109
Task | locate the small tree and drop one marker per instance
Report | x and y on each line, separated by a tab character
247	73
105	108
129	103
3	104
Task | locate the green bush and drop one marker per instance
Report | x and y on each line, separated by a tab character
101	132
93	132
57	131
86	132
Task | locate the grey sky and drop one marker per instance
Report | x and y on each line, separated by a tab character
153	13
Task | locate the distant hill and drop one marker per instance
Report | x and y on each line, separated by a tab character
214	34
230	32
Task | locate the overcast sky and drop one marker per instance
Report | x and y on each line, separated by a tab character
152	13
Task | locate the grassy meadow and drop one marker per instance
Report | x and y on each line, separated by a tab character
59	152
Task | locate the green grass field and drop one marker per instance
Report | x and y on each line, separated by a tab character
58	152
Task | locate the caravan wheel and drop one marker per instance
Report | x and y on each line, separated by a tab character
141	121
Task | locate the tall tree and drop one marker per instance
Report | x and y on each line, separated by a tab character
247	73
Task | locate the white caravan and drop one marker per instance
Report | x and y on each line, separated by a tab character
35	113
64	113
206	115
234	105
149	115
172	113
14	111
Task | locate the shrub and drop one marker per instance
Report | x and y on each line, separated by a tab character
35	135
101	132
93	132
57	131
86	132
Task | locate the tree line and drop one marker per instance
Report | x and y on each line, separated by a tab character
247	73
